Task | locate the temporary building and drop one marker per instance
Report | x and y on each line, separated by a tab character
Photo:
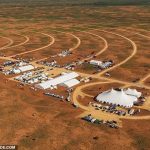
26	68
16	71
96	62
23	69
71	83
117	97
21	64
101	64
58	80
133	92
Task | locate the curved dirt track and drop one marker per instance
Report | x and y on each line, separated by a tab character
73	35
140	34
137	117
145	78
37	49
127	59
78	42
72	48
22	43
145	36
78	91
7	45
103	39
133	53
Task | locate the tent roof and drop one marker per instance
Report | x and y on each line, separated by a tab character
117	97
133	92
96	62
26	68
71	83
57	80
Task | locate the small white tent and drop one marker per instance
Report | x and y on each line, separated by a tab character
16	71
96	62
116	97
133	92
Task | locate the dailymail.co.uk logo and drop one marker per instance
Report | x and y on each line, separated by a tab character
8	147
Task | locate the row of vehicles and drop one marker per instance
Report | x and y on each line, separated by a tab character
54	95
111	124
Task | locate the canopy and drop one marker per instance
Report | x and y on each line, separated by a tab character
117	97
133	92
58	80
71	83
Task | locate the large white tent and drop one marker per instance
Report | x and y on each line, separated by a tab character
117	97
58	80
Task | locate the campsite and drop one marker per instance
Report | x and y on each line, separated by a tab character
74	76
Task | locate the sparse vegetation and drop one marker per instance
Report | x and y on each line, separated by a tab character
30	119
87	66
76	2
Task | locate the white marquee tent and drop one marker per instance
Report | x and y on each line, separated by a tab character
23	69
58	80
71	83
117	97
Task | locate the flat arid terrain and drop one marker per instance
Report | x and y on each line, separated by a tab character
37	34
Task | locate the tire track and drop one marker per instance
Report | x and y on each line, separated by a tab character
125	60
73	35
145	36
72	48
37	49
78	92
103	39
7	45
22	43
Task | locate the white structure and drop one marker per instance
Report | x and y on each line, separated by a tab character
58	80
96	62
23	69
71	83
117	97
31	78
26	68
103	65
133	92
16	71
21	64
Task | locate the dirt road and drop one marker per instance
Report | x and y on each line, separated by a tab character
100	37
78	92
9	43
72	48
37	49
128	58
22	43
73	35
